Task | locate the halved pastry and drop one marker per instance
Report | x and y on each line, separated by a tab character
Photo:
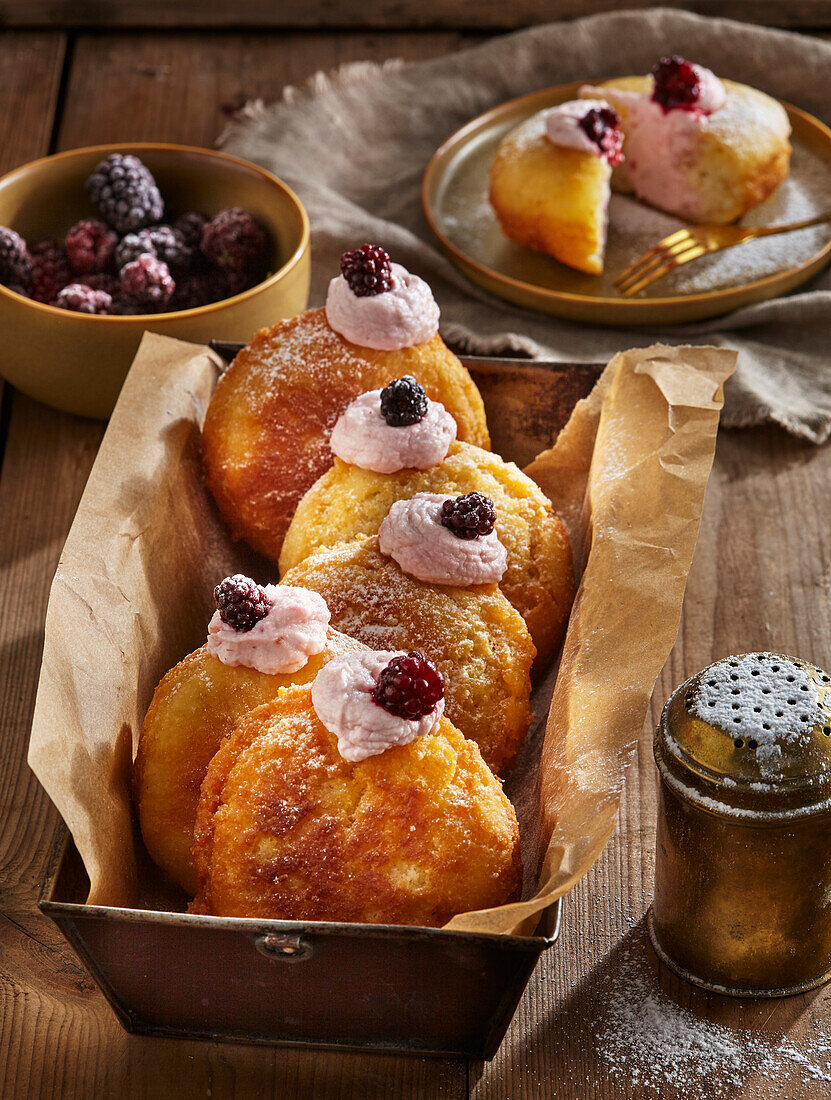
703	148
550	181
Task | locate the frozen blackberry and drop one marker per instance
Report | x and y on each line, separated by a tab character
409	687
469	516
602	126
367	270
403	402
241	602
200	288
102	281
15	261
125	193
146	281
162	241
18	289
89	247
123	307
83	299
676	83
190	225
235	241
50	270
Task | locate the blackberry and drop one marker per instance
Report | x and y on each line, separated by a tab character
367	270
469	516
676	83
102	281
235	241
198	289
82	299
50	270
409	687
602	126
89	247
241	602
123	307
146	281
15	261
125	193
18	289
190	225
161	241
403	402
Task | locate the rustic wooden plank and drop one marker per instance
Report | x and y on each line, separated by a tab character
57	1034
30	70
182	87
759	580
382	14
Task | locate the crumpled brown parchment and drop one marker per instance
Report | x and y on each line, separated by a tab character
132	596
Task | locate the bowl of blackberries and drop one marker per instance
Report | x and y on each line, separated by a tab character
100	245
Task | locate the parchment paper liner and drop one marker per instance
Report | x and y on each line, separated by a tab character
133	593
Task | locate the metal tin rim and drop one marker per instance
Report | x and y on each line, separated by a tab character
725	991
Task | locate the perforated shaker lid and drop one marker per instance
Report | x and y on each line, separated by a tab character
756	727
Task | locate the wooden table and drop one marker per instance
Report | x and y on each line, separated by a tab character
760	580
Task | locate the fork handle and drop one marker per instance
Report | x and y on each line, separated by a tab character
772	230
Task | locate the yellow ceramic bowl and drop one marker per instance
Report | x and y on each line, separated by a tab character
78	362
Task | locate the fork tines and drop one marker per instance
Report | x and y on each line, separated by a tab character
678	248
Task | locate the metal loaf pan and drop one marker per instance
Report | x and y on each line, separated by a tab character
388	988
354	986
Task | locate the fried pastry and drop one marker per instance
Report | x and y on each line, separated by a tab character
708	150
348	501
266	433
289	829
473	635
553	195
704	149
194	707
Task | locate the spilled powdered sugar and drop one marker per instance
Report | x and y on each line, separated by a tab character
644	1039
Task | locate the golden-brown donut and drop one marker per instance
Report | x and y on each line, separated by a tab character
266	432
348	501
194	707
478	642
287	829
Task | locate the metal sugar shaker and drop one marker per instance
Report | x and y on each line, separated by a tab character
742	899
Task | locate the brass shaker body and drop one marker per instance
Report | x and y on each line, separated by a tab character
742	900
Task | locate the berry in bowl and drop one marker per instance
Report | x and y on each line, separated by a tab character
99	245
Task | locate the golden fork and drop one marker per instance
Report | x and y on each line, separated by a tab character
689	244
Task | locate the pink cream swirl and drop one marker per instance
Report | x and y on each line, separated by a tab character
363	438
562	125
413	536
400	317
293	630
342	699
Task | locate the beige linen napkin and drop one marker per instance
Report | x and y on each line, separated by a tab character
354	144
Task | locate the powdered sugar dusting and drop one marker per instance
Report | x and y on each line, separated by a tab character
770	697
644	1039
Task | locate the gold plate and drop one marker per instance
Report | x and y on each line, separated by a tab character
454	196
